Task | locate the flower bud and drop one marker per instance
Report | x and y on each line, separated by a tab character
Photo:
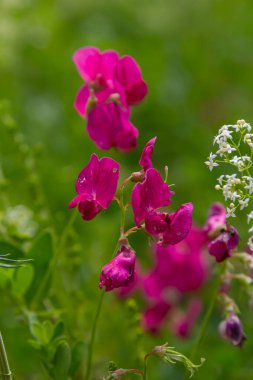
222	246
120	270
231	329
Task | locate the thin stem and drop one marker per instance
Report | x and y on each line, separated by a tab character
93	333
94	327
208	312
5	372
145	374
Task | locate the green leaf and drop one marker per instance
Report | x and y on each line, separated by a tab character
13	250
42	253
62	360
22	280
79	353
58	330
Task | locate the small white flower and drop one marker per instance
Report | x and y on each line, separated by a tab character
231	212
249	187
244	203
211	164
226	192
234	195
250	217
220	179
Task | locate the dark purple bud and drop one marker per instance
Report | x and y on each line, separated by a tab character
222	246
231	329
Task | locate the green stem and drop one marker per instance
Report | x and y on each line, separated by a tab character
123	211
208	313
92	337
145	374
5	372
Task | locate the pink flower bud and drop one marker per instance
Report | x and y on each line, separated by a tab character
120	270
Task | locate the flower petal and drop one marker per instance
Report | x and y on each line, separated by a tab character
87	60
81	100
145	160
180	224
149	195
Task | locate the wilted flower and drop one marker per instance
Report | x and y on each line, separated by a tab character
231	329
96	186
222	246
120	270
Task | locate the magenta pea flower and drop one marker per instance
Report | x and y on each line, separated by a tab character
222	246
216	219
120	270
112	85
108	126
155	315
181	267
231	329
96	186
183	324
152	194
97	69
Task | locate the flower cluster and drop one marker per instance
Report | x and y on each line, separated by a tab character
235	148
96	186
112	85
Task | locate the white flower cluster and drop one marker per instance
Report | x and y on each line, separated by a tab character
235	147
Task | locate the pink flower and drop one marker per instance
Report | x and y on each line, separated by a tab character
97	69
112	85
96	186
108	126
145	160
128	73
120	270
222	246
155	315
183	325
231	329
216	219
153	194
181	267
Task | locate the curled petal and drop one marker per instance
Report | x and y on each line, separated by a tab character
145	160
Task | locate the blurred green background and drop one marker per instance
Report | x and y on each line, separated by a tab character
197	58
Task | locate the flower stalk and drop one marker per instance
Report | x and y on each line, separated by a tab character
5	372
